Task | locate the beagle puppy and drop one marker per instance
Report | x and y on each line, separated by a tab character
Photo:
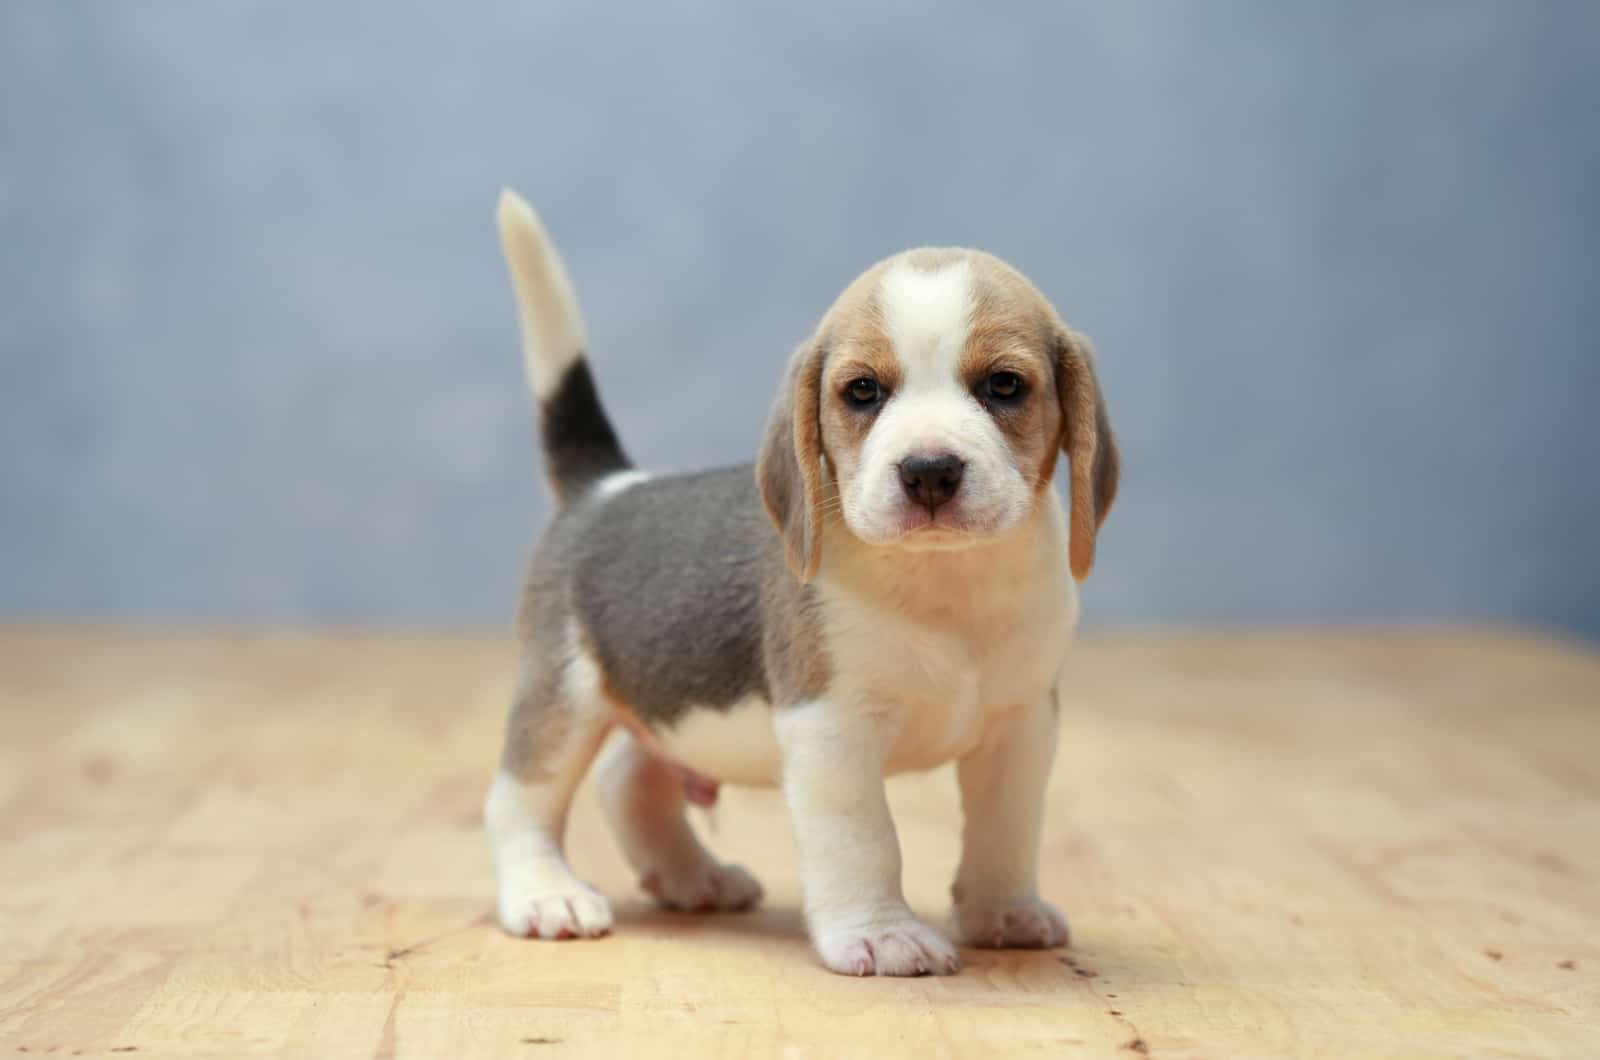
890	587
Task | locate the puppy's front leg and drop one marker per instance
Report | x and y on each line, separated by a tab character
849	854
1002	796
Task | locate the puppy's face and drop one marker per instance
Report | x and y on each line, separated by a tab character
937	393
939	413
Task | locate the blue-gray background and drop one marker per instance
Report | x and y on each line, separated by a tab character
259	354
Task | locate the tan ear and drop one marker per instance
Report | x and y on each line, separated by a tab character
789	466
1087	440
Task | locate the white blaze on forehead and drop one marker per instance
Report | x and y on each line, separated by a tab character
927	314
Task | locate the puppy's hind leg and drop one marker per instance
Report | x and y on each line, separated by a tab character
557	724
643	798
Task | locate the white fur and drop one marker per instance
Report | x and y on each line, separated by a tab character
616	482
849	858
927	315
973	632
735	744
978	638
552	327
537	894
581	682
643	799
996	892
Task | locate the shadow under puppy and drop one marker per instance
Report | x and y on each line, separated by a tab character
890	587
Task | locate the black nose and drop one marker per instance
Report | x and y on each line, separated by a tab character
931	480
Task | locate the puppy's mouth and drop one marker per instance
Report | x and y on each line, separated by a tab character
957	523
950	523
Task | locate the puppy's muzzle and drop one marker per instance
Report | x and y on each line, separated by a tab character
933	479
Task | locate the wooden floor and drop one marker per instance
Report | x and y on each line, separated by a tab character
1287	845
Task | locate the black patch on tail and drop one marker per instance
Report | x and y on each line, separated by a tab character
579	444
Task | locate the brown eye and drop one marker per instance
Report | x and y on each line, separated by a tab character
1003	386
864	392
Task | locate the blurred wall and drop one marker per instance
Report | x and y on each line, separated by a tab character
259	355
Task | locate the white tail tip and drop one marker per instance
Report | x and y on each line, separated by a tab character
552	328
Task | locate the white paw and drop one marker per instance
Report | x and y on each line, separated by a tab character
898	944
572	910
705	887
1030	923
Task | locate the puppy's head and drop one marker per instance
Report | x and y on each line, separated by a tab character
931	405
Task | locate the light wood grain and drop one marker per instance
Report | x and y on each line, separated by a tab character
1286	845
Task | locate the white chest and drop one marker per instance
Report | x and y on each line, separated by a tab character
934	680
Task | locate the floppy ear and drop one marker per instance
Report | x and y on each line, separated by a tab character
1090	447
789	467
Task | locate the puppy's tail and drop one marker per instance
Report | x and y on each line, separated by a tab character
579	445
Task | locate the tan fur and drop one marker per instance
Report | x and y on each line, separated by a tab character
789	465
796	654
1014	319
851	335
1011	335
931	259
857	349
1089	445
